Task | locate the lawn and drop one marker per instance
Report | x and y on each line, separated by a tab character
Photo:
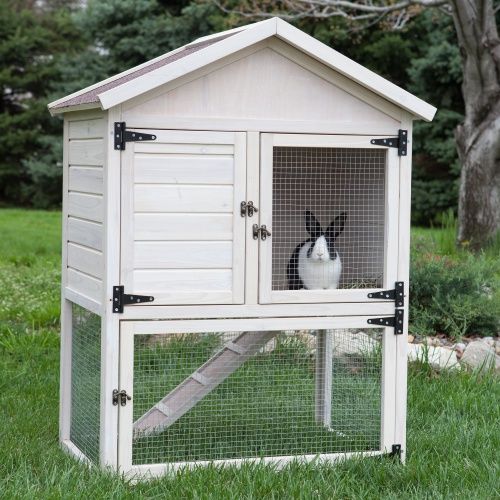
453	420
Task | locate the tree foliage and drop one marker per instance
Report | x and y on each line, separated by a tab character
50	49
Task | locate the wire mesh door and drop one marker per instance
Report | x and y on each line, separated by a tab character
331	205
202	394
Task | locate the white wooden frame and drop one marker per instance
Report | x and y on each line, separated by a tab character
128	329
238	141
269	296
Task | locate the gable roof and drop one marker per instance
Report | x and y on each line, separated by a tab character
206	50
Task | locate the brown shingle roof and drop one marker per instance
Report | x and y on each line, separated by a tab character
91	96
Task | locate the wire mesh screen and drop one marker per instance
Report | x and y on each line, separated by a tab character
232	395
328	218
85	381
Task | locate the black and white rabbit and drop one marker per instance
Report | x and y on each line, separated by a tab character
315	263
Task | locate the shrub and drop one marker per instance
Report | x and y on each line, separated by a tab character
454	296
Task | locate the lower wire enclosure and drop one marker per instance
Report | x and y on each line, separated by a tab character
240	395
85	381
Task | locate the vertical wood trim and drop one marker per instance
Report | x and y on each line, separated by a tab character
324	364
66	310
391	218
252	254
127	208
401	359
65	371
64	222
126	382
266	217
110	321
239	191
388	403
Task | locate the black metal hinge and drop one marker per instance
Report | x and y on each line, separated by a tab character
120	397
396	451
400	142
122	135
121	299
397	294
395	321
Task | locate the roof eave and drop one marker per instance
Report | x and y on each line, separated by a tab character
75	107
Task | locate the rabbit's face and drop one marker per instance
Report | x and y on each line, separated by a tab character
319	250
322	247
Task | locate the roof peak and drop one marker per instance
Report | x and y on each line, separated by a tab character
208	49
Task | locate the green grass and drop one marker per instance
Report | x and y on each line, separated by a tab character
453	418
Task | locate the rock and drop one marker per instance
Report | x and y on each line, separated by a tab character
459	349
480	355
438	358
489	341
432	341
349	342
411	338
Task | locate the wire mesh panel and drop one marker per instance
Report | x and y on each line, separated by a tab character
328	217
212	396
85	381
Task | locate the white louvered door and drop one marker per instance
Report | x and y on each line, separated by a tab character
182	234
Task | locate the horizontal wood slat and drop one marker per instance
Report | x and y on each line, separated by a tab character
86	129
183	170
86	206
86	180
171	227
183	198
84	284
86	152
85	233
182	280
196	149
86	260
183	255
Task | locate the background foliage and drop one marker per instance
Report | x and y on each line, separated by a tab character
52	48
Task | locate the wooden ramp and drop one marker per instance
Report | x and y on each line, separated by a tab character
201	382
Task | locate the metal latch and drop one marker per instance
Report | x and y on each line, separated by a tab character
121	299
262	231
400	142
122	135
248	208
120	397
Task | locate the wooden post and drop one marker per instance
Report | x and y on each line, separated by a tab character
323	393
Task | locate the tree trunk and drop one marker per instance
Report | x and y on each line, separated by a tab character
478	137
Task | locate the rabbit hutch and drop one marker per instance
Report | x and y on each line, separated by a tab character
236	220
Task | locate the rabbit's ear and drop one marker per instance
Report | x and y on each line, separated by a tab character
336	226
313	227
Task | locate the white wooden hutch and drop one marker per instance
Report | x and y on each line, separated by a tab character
171	170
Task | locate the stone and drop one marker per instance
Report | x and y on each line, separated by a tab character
438	358
411	338
479	355
349	342
459	349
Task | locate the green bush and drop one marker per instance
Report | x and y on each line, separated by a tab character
455	296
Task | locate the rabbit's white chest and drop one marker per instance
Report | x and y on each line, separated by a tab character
318	275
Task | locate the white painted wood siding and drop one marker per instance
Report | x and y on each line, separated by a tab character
182	234
268	87
84	210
